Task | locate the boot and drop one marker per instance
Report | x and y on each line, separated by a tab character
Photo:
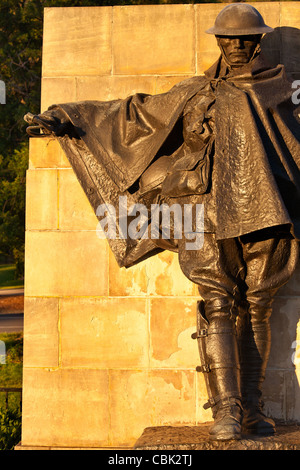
227	414
254	340
219	357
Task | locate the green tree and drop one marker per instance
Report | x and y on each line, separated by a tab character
21	29
20	69
10	428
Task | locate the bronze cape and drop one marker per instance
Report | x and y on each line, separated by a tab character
228	141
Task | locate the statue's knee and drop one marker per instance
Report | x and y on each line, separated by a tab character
220	309
260	308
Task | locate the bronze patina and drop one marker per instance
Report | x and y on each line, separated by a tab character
228	140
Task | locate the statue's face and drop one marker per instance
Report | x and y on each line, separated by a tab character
238	50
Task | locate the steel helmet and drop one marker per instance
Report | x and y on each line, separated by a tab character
239	19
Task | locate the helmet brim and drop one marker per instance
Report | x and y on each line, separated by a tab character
239	32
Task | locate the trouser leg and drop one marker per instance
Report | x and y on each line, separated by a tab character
217	333
244	272
270	264
254	342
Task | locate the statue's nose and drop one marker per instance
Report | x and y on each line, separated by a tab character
238	43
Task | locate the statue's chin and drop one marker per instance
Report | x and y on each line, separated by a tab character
238	61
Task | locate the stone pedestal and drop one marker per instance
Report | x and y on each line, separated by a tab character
197	438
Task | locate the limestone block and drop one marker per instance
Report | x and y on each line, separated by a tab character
146	398
65	408
206	45
172	322
77	40
206	59
284	323
271	47
289	14
292	288
66	263
151	39
274	394
105	332
75	211
270	11
41	332
105	88
41	200
281	388
296	396
290	35
57	90
164	83
296	350
45	152
131	281
295	76
165	276
202	415
271	43
292	396
158	275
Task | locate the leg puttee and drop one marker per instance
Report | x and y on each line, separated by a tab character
218	351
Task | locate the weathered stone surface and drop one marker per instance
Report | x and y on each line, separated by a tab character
41	200
104	332
57	90
284	321
159	276
165	277
77	41
65	407
41	324
197	438
111	87
139	398
172	321
74	209
46	153
65	263
154	39
164	83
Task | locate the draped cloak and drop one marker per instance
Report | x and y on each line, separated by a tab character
228	141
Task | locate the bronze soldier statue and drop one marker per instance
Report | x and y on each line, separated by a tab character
228	140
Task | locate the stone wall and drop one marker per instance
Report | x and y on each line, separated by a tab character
108	351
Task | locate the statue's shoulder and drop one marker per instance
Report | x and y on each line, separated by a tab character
186	89
177	96
193	83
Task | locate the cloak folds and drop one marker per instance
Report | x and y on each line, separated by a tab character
240	153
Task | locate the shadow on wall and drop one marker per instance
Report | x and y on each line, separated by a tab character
282	386
282	46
